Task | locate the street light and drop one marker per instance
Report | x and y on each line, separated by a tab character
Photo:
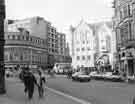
2	71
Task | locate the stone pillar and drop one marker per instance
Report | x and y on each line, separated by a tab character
134	67
2	71
126	70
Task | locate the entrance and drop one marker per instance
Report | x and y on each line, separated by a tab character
130	67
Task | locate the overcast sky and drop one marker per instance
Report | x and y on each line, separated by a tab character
61	13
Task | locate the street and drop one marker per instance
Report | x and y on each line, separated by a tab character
15	95
96	92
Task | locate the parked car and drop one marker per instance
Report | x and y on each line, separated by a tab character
9	73
81	76
96	75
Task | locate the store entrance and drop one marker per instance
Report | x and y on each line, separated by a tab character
130	67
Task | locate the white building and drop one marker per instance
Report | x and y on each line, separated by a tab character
105	42
83	45
91	43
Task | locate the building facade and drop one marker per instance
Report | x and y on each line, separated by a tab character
92	44
23	49
105	47
40	28
124	24
36	26
82	45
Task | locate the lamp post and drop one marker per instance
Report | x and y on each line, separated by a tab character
2	71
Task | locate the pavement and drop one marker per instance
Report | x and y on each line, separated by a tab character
15	95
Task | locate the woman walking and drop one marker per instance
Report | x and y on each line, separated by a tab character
41	82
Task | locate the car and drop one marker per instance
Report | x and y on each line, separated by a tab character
81	76
9	73
96	75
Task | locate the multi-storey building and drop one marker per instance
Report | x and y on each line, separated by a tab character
105	47
83	45
24	49
38	27
92	44
61	46
124	24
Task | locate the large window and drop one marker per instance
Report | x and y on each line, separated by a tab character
83	57
83	49
78	58
88	57
77	49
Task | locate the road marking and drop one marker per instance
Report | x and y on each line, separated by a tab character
81	101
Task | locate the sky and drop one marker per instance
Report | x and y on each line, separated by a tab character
61	13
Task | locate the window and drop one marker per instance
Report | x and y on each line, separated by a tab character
8	36
18	37
103	47
88	48
83	57
102	41
13	37
78	58
130	10
22	37
77	49
83	49
88	57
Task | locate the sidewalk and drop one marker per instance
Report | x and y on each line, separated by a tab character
15	95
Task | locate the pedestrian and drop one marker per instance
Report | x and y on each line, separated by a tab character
133	100
41	81
29	82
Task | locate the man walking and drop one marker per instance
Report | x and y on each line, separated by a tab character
29	82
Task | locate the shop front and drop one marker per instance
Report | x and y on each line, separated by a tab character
127	63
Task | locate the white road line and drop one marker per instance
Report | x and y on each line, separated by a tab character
69	96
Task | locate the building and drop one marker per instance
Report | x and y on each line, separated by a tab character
124	24
40	28
83	44
92	44
24	49
36	26
56	46
105	47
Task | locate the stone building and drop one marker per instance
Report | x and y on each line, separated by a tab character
40	28
92	44
83	45
124	24
24	49
36	26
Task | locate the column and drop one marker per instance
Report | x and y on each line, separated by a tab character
2	71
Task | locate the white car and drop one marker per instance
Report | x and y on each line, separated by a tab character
81	76
8	73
